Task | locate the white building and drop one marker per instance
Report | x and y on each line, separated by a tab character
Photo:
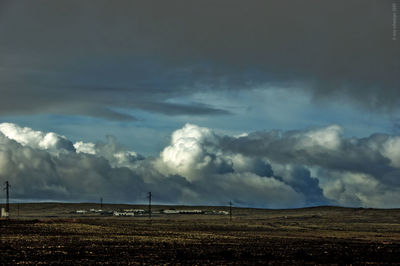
116	213
171	211
4	214
183	212
190	211
135	211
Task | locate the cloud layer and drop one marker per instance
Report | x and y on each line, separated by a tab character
97	57
274	169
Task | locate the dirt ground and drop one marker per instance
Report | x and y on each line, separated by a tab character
51	234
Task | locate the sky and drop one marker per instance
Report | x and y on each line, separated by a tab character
272	104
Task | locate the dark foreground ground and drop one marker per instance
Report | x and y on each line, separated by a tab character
314	236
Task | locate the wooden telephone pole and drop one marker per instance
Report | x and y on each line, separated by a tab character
230	211
149	206
7	188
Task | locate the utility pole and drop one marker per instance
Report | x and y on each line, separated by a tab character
150	206
7	186
7	196
101	203
230	211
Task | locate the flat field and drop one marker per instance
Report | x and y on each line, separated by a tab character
51	233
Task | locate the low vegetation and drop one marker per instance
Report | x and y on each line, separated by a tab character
313	235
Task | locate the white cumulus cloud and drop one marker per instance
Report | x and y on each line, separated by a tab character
193	152
262	169
35	139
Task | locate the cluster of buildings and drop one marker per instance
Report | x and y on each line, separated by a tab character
124	212
141	212
173	211
129	212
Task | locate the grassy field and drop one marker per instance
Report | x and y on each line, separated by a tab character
51	233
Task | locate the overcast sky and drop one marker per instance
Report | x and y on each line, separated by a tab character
275	103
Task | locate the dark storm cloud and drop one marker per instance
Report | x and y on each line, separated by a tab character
326	148
54	55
